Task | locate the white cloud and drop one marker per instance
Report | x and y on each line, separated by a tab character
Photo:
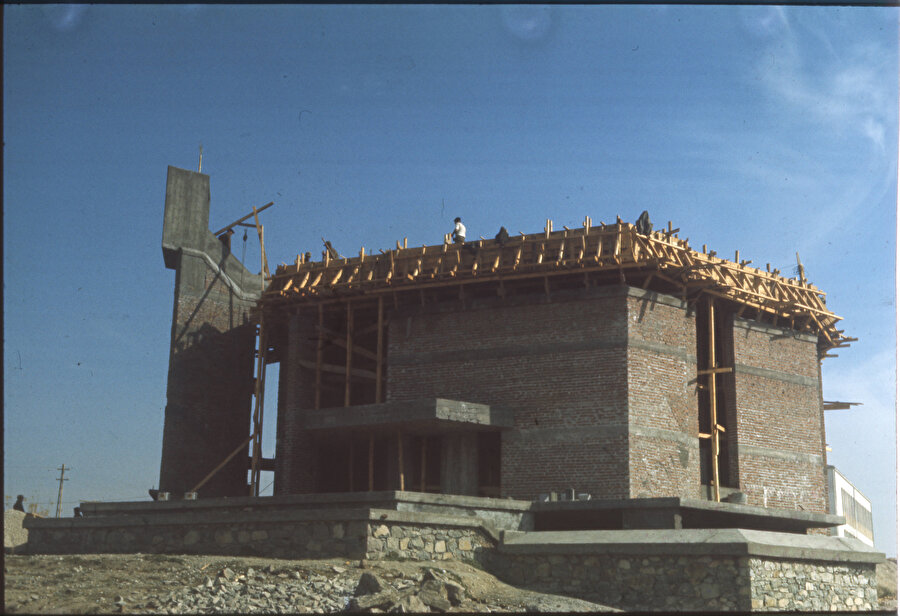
845	91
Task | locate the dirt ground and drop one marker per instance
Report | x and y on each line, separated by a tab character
147	583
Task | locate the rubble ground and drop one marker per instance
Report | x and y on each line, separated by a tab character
179	584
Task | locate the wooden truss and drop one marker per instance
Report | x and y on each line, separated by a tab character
659	260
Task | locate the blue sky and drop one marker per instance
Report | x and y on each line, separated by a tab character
768	130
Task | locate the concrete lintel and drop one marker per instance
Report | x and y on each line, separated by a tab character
693	542
489	303
662	433
656	297
514	350
436	414
771	330
787	456
776	375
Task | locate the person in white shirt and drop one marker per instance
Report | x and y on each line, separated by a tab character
459	232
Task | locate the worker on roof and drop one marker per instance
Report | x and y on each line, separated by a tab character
643	224
459	232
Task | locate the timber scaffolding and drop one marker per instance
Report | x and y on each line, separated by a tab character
590	256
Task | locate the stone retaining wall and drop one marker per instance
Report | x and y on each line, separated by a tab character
822	586
695	583
357	534
693	569
313	537
644	583
426	542
650	570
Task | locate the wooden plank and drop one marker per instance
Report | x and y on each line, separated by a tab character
357	349
336	369
714	420
227	459
256	211
379	351
715	371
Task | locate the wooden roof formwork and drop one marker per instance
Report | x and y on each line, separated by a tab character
659	260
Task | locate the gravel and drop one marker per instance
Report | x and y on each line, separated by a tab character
182	584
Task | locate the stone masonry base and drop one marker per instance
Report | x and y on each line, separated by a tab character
647	570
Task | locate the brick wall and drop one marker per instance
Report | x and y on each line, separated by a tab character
602	385
662	400
295	459
779	418
560	366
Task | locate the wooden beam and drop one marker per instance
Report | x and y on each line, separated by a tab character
714	420
715	371
357	349
335	369
223	463
256	210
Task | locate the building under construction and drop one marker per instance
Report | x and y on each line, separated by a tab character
601	412
597	360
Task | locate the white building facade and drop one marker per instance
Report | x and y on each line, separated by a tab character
844	499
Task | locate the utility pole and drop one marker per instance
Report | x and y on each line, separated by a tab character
62	474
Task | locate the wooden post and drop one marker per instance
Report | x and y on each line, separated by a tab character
371	462
320	350
400	460
349	364
379	352
422	468
714	420
258	392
